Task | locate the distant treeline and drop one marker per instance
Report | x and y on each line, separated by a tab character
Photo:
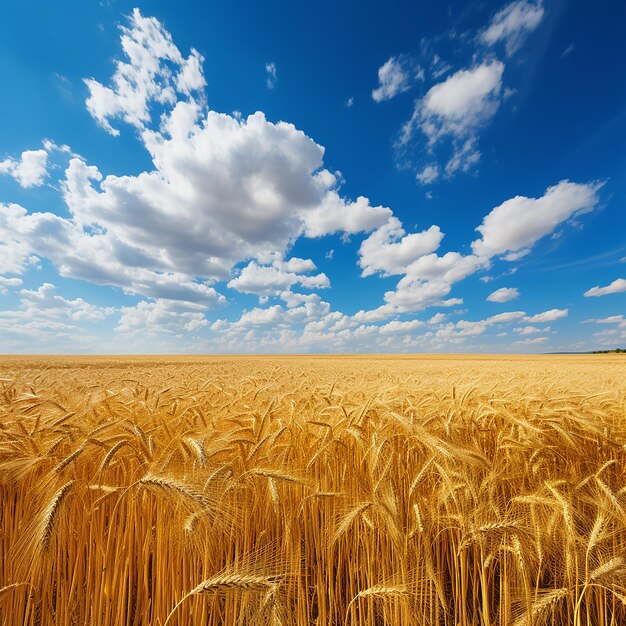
616	351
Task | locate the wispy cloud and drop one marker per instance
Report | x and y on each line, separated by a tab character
395	76
272	76
512	24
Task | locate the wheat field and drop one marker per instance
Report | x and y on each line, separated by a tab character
313	490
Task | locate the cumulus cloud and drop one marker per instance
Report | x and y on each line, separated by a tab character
99	256
504	294
35	331
46	299
513	227
161	317
9	283
530	330
155	73
30	170
15	249
389	250
451	114
308	323
457	108
418	295
459	104
227	192
617	286
508	316
428	280
467	328
231	189
335	214
396	326
223	189
275	279
547	316
47	322
394	76
510	230
512	24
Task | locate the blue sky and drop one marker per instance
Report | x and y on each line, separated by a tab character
329	177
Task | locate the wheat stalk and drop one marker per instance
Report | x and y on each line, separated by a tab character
50	514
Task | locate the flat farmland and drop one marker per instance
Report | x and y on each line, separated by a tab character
374	490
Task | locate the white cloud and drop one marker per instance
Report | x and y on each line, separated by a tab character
47	322
511	228
155	72
457	108
532	341
277	278
389	250
429	174
295	264
464	157
514	226
547	316
222	190
508	316
99	256
15	250
228	190
427	280
463	101
269	316
334	214
504	294
35	331
451	267
396	326
437	318
617	286
530	330
458	105
272	76
512	24
394	77
465	328
615	332
374	315
46	299
620	320
30	170
417	295
9	283
160	317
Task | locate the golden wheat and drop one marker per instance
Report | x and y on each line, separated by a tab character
399	491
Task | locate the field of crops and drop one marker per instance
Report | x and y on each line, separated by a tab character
313	491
